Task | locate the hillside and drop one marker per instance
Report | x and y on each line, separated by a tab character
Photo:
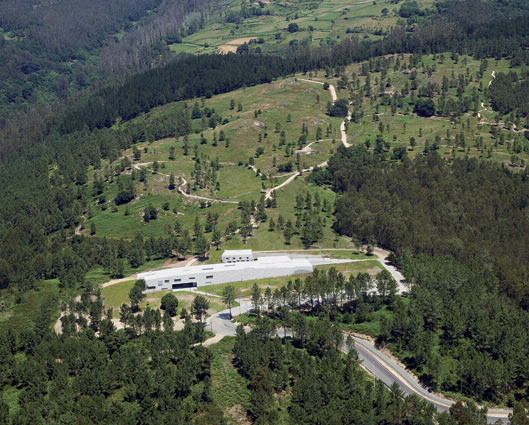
353	129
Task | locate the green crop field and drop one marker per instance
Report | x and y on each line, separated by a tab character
320	23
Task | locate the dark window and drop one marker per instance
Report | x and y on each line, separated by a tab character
177	280
184	285
209	277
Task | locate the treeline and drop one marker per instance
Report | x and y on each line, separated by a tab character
51	51
459	232
311	382
48	47
499	37
510	93
212	74
106	375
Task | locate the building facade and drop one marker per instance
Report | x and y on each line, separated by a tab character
237	256
214	274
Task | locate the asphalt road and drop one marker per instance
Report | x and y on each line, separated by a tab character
373	360
385	369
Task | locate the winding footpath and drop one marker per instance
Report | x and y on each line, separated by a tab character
343	132
334	96
181	189
268	194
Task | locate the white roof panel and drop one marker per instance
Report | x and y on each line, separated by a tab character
236	252
262	262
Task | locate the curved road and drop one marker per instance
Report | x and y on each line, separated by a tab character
385	369
373	360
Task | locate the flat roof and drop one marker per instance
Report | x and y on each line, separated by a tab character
237	252
260	263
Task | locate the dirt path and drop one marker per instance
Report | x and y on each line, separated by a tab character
269	192
484	109
181	189
493	75
307	149
334	96
332	90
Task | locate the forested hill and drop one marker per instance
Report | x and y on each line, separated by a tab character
471	210
475	29
211	74
459	231
52	50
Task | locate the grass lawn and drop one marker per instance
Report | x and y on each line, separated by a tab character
116	295
244	289
99	275
369	266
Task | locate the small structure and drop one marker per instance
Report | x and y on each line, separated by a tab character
226	272
237	256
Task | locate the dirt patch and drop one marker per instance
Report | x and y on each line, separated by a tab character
252	125
374	270
225	49
231	46
239	41
238	414
171	263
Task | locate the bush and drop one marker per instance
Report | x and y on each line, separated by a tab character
340	108
124	197
424	107
150	213
293	27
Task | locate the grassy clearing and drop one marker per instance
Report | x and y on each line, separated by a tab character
22	316
116	295
99	275
244	289
369	266
398	128
229	389
288	103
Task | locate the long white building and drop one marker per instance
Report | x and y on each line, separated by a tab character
215	274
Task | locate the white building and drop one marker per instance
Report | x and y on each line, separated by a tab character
215	274
237	256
